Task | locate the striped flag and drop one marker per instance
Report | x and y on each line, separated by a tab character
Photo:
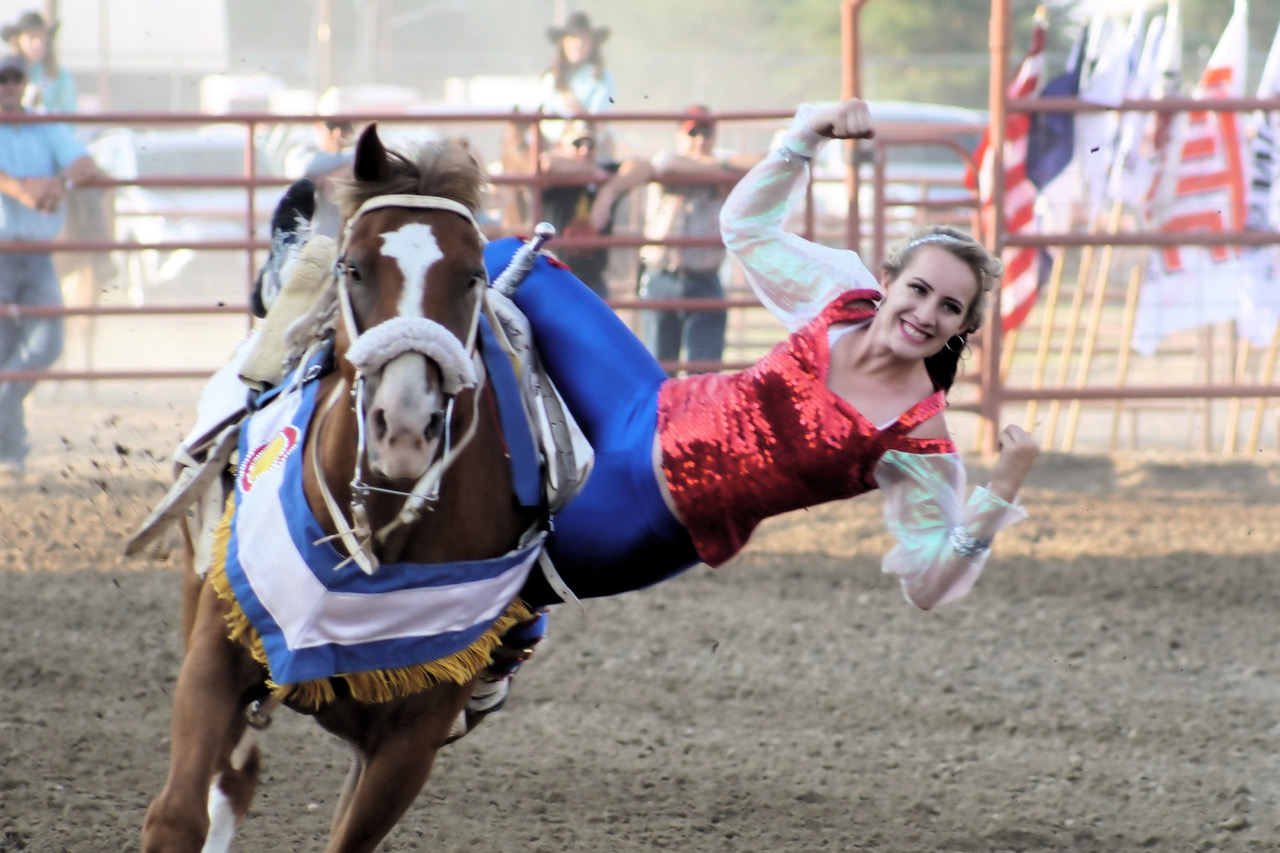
1021	265
1192	286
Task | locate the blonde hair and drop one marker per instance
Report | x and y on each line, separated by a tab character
987	269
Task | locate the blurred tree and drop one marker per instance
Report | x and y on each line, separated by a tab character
915	51
912	49
734	54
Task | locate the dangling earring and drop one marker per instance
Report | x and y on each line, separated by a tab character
958	349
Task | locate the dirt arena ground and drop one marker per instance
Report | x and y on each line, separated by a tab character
1110	685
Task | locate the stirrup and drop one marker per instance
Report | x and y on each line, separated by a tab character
494	685
489	696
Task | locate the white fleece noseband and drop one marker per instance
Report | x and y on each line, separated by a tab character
377	346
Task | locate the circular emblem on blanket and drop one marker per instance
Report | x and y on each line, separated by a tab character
266	456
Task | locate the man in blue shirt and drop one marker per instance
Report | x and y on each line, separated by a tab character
38	163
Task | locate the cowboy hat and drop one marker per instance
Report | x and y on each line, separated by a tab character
578	25
29	22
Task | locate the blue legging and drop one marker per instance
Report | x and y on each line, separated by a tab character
617	534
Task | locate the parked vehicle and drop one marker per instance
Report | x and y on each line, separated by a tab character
181	214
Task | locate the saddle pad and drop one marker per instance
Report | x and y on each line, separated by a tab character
222	401
317	620
526	470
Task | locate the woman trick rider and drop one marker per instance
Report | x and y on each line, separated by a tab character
852	400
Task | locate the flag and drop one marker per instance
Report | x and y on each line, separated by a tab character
1051	138
1126	182
1051	151
1105	82
1162	136
1260	312
1190	286
1021	265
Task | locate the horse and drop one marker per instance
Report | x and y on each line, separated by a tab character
406	464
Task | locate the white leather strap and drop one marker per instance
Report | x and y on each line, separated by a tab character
422	201
356	541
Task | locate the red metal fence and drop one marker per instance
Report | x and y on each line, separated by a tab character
991	391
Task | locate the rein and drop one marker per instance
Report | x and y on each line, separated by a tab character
461	367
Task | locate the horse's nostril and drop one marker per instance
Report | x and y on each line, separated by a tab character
435	427
379	424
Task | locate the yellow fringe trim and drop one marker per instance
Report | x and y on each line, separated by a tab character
374	686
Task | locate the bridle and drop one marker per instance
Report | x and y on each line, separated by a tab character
461	367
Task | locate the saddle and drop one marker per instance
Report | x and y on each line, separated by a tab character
300	317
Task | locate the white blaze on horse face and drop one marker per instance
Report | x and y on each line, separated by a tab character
415	249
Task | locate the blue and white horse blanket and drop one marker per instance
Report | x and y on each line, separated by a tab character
318	614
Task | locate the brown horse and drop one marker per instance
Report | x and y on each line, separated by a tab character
406	423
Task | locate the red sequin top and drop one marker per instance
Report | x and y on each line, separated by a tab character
738	448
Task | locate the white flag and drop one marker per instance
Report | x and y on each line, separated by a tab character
1163	132
1125	183
1261	310
1106	84
1190	286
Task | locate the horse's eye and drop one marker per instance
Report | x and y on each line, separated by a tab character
354	275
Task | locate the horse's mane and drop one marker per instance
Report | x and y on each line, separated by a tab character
448	170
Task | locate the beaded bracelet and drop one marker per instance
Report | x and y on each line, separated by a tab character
965	545
794	158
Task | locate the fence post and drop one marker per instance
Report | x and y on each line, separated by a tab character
989	404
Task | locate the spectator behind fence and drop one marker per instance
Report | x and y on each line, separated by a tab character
38	163
50	88
686	208
325	159
577	80
585	204
514	158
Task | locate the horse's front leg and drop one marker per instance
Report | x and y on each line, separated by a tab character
207	722
396	745
192	584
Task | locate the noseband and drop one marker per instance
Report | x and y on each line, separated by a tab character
461	367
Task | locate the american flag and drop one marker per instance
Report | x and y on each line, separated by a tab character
1021	265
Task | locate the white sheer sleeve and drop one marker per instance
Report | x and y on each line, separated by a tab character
941	545
794	278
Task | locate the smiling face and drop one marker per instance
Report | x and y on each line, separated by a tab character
929	301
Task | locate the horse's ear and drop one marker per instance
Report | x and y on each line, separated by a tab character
371	156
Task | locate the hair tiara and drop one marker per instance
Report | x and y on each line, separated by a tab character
939	238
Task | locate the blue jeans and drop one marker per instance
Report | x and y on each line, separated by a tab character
700	332
27	343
